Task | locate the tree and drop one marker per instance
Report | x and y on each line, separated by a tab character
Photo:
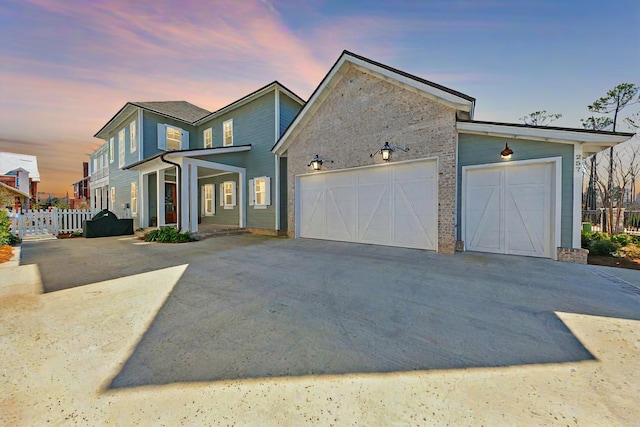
540	118
616	99
596	123
6	198
633	121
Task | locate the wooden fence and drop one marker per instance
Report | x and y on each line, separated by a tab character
53	222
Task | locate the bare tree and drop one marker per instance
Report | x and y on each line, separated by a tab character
540	118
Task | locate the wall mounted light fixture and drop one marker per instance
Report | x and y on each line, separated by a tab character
386	150
316	163
507	152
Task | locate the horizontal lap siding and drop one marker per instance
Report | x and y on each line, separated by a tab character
288	111
122	180
478	150
222	216
150	138
253	124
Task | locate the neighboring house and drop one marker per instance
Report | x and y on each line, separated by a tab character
20	171
99	178
81	189
451	189
11	198
173	163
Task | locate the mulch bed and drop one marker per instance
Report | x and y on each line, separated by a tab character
6	253
609	261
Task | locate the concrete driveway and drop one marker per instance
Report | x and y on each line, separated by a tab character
257	307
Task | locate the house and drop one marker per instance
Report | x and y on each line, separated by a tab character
20	171
174	163
380	156
81	194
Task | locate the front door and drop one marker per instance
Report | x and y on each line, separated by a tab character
170	209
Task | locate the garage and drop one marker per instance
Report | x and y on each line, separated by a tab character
391	204
512	209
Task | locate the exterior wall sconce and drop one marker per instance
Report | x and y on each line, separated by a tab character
507	152
317	162
386	150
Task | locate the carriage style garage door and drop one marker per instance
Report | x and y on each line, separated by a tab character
510	209
391	204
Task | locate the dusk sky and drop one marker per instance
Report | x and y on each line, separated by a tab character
67	66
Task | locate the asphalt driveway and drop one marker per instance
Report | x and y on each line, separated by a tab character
252	307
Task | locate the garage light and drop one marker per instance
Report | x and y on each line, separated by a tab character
386	151
507	152
317	162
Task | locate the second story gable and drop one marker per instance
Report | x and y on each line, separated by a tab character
142	130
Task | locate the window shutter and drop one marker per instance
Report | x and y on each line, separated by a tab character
184	143
233	194
222	194
252	193
267	191
162	137
203	201
213	199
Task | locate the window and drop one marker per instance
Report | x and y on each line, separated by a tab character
207	200
208	138
95	165
121	142
111	150
260	192
134	199
227	133
113	198
132	137
228	194
172	138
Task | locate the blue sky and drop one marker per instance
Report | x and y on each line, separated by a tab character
66	66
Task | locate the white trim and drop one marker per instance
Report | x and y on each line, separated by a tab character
209	131
111	149
214	175
378	165
556	216
133	137
538	134
204	199
140	135
122	147
577	195
327	84
207	152
243	101
224	133
276	175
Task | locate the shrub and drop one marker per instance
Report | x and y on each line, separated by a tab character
622	239
6	238
603	247
631	251
590	236
168	235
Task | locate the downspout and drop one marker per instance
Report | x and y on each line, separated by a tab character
178	182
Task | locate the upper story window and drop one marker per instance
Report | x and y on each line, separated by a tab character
111	150
133	141
260	192
227	133
207	135
121	142
172	138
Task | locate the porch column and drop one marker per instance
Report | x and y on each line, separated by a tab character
185	197
194	196
160	192
143	196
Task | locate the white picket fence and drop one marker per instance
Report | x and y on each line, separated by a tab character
53	222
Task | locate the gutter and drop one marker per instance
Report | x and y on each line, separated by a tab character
178	183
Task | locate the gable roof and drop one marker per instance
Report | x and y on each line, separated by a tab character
439	93
250	97
179	110
12	161
13	190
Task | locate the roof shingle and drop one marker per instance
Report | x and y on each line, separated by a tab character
181	110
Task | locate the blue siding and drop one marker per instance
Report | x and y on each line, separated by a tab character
253	124
222	216
151	121
477	150
288	111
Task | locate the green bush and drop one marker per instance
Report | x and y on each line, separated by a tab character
622	239
168	235
590	236
6	238
603	247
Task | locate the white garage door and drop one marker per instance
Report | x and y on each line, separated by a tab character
393	204
510	210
